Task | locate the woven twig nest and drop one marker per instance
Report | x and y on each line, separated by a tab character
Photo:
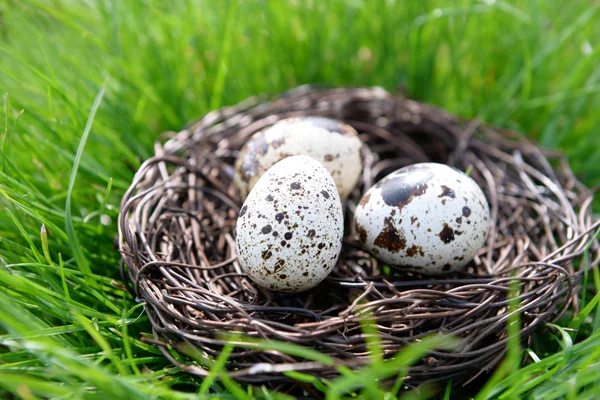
177	239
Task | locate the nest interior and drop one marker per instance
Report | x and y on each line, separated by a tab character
177	239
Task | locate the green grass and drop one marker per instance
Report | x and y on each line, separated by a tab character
87	86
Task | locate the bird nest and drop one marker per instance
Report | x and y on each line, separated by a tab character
177	240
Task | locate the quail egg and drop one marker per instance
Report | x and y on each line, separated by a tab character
428	218
290	228
335	144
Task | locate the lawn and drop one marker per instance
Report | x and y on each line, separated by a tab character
87	87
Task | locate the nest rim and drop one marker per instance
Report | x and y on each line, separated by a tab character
180	258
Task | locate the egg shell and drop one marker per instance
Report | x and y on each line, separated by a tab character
335	144
428	218
290	228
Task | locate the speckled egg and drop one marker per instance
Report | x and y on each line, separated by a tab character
290	228
428	218
335	144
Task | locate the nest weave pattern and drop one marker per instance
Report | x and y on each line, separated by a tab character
177	239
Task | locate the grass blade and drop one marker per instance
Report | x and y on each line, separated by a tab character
82	261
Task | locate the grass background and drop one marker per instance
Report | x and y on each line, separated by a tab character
87	86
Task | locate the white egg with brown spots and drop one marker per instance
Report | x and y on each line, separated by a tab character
290	228
335	144
428	218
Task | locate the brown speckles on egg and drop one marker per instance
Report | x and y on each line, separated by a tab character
447	192
333	143
295	249
415	250
466	212
279	265
389	238
266	254
325	194
424	205
447	234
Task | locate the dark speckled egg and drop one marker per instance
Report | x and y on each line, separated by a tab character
290	228
428	218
